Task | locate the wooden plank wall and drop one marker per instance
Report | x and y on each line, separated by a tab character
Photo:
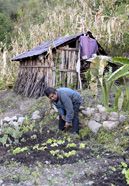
57	69
67	67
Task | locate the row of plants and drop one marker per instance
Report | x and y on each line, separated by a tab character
59	148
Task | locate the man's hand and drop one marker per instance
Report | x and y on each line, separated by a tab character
63	117
67	125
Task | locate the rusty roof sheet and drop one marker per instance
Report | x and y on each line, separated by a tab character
44	47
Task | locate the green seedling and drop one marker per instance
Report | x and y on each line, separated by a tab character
49	141
54	152
82	145
54	145
55	142
36	147
70	153
112	168
19	150
70	145
60	142
68	139
60	156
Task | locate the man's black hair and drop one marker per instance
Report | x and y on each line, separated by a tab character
49	90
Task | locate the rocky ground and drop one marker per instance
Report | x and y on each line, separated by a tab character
44	156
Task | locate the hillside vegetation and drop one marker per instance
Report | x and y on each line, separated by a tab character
24	24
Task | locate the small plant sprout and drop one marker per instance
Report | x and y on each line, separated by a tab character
82	145
19	150
112	168
54	152
60	142
37	147
70	145
70	153
69	139
54	145
49	141
60	156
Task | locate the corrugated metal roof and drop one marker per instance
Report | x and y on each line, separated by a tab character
42	48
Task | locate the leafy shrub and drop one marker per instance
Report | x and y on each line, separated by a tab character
11	134
125	171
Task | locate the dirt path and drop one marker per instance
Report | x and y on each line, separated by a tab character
12	104
94	172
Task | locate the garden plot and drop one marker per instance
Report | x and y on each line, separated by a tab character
39	154
50	149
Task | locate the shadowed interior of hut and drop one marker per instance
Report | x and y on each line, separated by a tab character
84	72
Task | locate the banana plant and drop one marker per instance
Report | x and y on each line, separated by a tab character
126	99
97	68
120	60
121	97
121	72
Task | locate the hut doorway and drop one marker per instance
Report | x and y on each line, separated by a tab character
66	74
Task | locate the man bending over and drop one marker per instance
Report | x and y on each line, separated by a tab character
67	101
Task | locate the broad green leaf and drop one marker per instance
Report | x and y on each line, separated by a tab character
121	72
121	60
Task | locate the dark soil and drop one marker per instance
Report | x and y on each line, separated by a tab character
106	165
31	156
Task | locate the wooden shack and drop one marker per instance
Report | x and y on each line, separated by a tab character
52	63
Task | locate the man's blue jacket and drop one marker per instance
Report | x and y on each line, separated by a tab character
67	100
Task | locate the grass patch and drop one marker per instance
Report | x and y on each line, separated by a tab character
105	137
85	133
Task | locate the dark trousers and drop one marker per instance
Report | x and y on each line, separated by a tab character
75	121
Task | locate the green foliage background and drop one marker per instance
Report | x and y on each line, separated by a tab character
21	15
25	24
